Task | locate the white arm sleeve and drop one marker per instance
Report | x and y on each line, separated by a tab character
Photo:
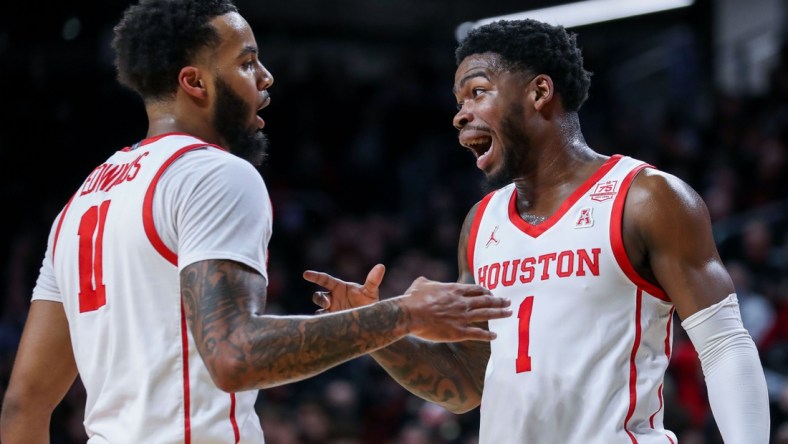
734	376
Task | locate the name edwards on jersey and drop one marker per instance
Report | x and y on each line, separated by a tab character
562	264
107	175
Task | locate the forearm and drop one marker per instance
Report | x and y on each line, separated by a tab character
733	372
450	375
24	425
265	351
44	370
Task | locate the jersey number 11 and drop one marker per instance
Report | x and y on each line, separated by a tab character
92	293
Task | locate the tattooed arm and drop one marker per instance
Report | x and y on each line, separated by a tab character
451	375
243	348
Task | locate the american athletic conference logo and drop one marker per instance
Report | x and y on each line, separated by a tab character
585	218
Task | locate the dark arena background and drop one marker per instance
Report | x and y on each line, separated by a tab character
365	167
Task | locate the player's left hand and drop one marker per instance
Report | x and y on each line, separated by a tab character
343	295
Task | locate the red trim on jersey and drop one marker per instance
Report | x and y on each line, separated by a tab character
659	397
233	421
161	136
667	354
60	225
633	370
187	426
271	204
477	220
537	230
147	206
668	348
617	238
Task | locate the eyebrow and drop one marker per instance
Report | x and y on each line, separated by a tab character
467	77
248	49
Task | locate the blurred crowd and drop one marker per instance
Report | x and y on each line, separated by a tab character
363	173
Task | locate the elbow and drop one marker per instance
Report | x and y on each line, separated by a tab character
228	375
232	373
225	383
23	409
464	407
11	409
231	378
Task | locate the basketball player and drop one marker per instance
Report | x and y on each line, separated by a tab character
595	253
153	286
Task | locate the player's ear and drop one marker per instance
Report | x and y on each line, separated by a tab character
543	90
190	80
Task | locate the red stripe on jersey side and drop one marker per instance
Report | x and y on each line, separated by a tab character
187	424
668	347
633	370
147	207
271	205
659	396
233	421
60	225
477	220
537	230
617	240
667	354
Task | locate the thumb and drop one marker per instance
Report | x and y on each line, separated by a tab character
375	277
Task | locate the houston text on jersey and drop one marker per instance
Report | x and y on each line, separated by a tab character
562	264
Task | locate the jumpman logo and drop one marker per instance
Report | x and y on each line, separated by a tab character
492	239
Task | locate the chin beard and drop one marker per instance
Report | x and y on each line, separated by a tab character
499	179
513	154
229	116
510	166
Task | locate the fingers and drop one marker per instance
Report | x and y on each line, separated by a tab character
421	280
324	279
484	308
485	314
464	289
375	277
473	290
487	301
321	299
477	334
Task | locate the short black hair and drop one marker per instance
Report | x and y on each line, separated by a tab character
156	38
533	46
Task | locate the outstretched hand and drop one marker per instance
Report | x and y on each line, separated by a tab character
438	311
452	312
343	295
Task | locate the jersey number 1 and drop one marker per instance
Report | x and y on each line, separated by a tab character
92	293
523	362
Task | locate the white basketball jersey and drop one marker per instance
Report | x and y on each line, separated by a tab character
120	287
582	359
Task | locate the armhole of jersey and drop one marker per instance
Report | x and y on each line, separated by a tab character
265	247
60	225
147	206
477	220
617	240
